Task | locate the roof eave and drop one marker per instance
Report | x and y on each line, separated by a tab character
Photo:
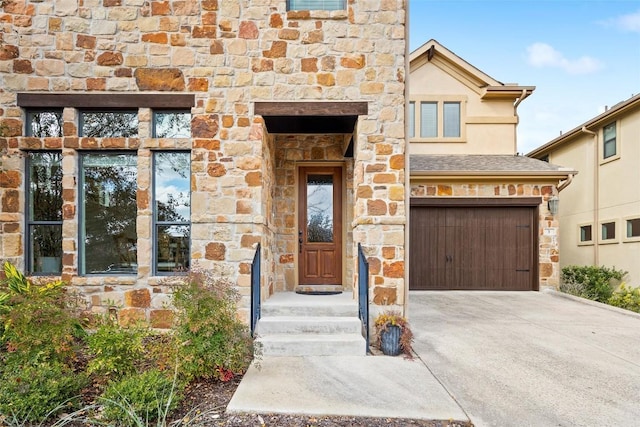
489	175
622	107
507	92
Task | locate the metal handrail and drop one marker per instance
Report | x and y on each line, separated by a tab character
363	293
255	290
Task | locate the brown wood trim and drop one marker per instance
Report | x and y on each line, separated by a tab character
475	201
535	254
106	100
311	108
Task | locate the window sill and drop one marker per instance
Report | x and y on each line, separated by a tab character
589	243
631	239
608	242
437	140
609	159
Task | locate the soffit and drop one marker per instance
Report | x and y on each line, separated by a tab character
311	117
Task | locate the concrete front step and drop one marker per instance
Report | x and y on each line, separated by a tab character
308	325
292	304
311	345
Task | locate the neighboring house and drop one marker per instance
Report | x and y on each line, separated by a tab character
600	211
141	139
479	216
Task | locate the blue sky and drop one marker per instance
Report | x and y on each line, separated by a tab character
580	55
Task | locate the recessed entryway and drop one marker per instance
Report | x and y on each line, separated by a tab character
319	228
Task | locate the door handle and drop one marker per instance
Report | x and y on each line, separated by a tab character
300	241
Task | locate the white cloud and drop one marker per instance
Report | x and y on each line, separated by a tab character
543	55
629	22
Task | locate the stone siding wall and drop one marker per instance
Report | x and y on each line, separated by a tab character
548	225
228	54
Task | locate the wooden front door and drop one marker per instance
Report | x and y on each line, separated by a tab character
320	226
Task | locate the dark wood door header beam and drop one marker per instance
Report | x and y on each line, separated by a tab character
106	100
475	201
311	108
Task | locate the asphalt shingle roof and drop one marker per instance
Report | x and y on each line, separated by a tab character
479	163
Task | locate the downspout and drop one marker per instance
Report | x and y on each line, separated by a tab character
596	195
407	172
515	113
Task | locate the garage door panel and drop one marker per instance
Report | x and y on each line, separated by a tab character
473	248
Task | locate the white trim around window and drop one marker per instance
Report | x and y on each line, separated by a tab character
438	118
608	231
585	234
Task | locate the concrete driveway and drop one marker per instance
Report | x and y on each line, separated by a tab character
531	358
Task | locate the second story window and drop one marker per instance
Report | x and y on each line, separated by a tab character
412	119
609	148
451	119
436	120
428	120
316	4
109	124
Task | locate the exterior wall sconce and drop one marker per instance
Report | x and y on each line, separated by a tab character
553	204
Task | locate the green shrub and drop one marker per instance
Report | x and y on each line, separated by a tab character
140	398
595	283
213	342
115	351
31	392
39	326
626	297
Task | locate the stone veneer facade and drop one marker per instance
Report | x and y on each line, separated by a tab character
548	225
228	54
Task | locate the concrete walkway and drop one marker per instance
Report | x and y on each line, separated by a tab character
531	358
496	358
367	386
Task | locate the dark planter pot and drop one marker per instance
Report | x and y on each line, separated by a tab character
390	340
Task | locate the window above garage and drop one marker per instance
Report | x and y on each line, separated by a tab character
437	119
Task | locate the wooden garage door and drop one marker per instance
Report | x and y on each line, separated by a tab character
473	248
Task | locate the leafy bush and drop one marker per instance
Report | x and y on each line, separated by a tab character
626	297
38	321
140	398
213	342
116	351
31	392
595	283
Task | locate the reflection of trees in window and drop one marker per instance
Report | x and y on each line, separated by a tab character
41	123
172	124
172	200
44	219
320	208
109	212
109	124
